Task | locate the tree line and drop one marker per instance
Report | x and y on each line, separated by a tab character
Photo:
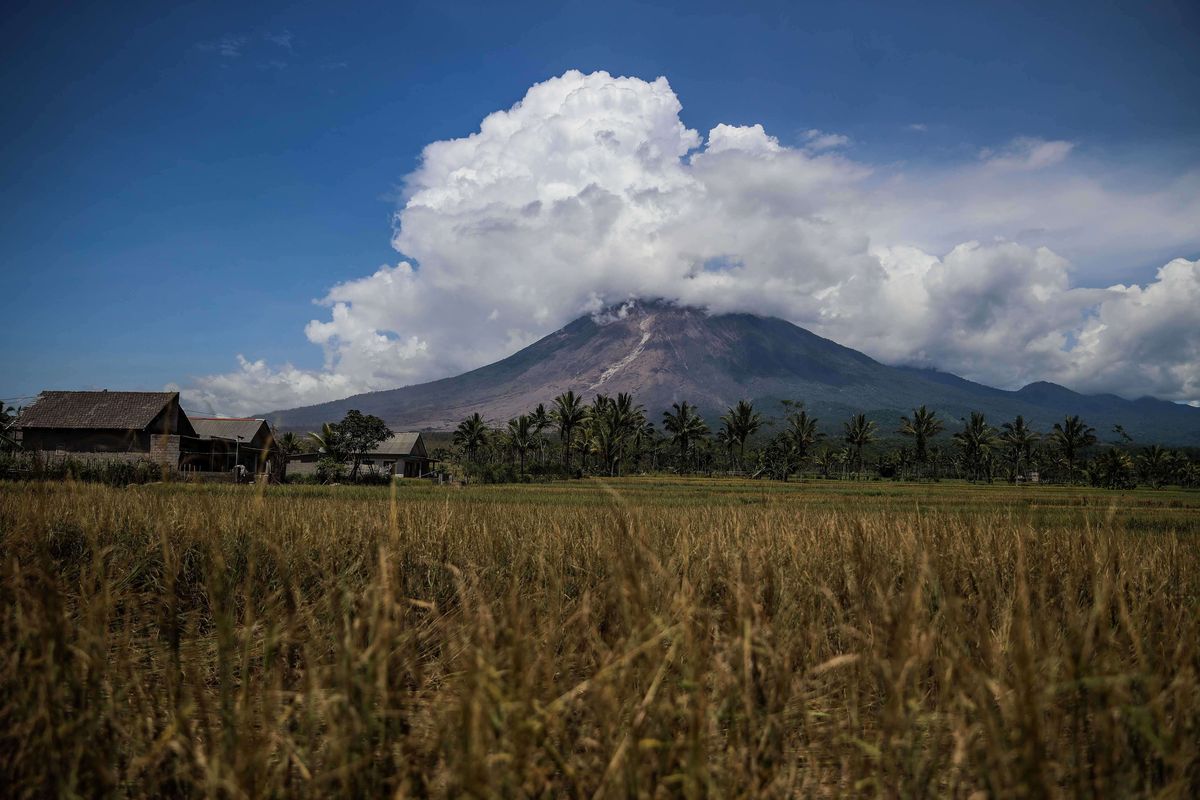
614	436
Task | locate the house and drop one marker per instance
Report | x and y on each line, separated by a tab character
403	455
225	442
127	426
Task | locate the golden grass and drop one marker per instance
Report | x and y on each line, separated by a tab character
633	638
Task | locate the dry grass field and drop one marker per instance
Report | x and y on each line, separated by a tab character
632	638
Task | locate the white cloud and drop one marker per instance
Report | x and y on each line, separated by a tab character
1027	153
591	190
816	140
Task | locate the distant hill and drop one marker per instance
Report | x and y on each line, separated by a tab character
665	353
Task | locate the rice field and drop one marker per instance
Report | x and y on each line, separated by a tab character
640	637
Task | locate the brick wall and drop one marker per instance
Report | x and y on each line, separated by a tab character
164	450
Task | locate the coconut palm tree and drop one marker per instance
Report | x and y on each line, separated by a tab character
289	443
726	440
522	437
858	433
1155	465
568	414
539	420
645	440
471	434
1071	436
826	461
923	426
802	434
1112	469
685	427
1018	440
741	422
326	439
975	442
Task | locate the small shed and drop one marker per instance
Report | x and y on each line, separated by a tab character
226	442
126	426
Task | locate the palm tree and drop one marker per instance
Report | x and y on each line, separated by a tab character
859	432
1112	469
612	424
726	439
1155	465
802	434
685	427
325	440
471	434
539	420
569	412
1071	436
1019	440
976	441
628	418
923	426
645	438
522	437
741	422
289	443
825	461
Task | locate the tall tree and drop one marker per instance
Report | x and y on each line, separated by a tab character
802	434
522	437
858	432
685	427
922	427
1155	465
975	442
539	419
1018	440
359	434
471	434
741	422
1069	438
568	414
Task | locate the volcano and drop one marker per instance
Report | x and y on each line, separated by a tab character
665	354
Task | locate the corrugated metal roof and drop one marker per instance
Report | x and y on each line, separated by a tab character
227	427
99	410
400	444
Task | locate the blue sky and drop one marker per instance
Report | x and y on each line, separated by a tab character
181	182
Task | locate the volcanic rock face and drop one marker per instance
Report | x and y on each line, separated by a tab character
664	354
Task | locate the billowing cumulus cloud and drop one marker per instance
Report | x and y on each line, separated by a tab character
592	190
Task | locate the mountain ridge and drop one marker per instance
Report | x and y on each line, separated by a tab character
664	353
